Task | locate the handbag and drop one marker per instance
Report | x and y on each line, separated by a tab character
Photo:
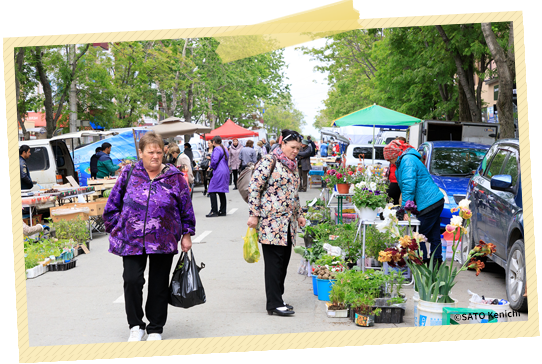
186	289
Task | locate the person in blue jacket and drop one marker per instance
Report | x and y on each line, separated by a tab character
105	165
323	149
417	185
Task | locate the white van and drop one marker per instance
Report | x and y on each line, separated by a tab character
50	162
355	153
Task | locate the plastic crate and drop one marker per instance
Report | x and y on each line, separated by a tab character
80	250
390	315
60	267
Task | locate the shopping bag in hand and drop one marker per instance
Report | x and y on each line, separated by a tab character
186	289
251	252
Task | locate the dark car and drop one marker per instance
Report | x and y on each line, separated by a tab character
451	164
497	215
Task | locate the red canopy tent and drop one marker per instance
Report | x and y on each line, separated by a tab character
230	130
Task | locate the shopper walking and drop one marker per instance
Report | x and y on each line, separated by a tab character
205	167
417	185
234	161
219	184
146	218
247	155
275	211
304	164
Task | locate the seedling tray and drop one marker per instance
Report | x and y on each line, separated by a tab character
59	267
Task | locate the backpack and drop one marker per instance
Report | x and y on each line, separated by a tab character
244	178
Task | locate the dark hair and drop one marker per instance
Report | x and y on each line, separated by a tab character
105	145
150	138
187	145
217	139
166	142
309	137
23	148
401	139
249	143
99	149
289	135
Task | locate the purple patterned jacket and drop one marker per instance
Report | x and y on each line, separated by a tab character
154	222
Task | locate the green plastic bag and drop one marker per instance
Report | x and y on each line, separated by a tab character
251	252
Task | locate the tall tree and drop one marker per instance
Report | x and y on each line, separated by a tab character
506	69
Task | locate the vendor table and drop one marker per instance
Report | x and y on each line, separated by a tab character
340	198
86	194
362	227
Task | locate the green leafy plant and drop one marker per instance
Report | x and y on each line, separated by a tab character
76	230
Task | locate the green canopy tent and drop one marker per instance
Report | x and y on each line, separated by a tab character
376	116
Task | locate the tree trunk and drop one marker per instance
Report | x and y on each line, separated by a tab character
506	82
464	112
19	60
73	92
465	82
47	92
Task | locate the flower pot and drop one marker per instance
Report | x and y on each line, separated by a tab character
430	313
324	287
500	310
336	313
314	285
364	320
343	188
416	299
366	214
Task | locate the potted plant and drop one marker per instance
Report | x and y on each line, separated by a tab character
433	281
336	306
364	312
338	177
327	267
368	197
76	230
312	254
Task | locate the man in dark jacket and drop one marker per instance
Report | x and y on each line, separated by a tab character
106	167
304	158
24	154
313	146
94	163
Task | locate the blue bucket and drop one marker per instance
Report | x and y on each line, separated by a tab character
314	285
324	287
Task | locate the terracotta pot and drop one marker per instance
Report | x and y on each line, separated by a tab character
343	188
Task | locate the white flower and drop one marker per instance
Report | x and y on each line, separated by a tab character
456	221
464	204
361	184
372	186
384	225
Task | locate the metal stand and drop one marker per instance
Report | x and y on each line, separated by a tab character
340	197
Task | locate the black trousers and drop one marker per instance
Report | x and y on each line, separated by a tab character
214	207
158	290
394	191
276	258
235	174
206	180
430	227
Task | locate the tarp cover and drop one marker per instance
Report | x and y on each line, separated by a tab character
377	116
230	130
123	150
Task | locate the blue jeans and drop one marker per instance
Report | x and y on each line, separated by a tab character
430	227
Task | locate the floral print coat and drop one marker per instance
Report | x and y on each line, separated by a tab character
278	205
154	214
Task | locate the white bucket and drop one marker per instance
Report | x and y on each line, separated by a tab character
430	313
416	299
367	214
501	310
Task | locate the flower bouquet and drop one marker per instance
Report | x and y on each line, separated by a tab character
433	281
336	176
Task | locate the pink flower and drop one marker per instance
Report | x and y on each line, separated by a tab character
450	228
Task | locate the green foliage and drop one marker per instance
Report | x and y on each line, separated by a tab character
376	241
76	230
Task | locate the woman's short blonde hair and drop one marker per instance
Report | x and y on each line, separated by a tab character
173	148
260	143
150	138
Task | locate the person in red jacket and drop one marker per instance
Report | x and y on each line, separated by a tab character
393	189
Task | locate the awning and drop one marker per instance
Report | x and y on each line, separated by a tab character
173	126
377	116
231	130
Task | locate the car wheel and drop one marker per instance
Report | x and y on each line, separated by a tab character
516	277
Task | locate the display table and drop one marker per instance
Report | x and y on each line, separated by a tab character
340	199
362	229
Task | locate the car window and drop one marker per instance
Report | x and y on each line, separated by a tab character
423	150
59	156
363	152
38	160
455	161
511	168
379	153
496	164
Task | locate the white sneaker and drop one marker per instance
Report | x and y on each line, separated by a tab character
136	334
154	337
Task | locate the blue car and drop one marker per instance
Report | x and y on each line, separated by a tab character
497	215
451	165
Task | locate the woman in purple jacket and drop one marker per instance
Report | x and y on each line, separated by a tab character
146	218
220	182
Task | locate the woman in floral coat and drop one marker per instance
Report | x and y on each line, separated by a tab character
146	218
275	211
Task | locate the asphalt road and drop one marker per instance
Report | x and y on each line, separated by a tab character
86	305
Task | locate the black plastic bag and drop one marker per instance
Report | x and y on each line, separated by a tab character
186	289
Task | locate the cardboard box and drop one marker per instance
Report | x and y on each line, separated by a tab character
68	217
96	208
